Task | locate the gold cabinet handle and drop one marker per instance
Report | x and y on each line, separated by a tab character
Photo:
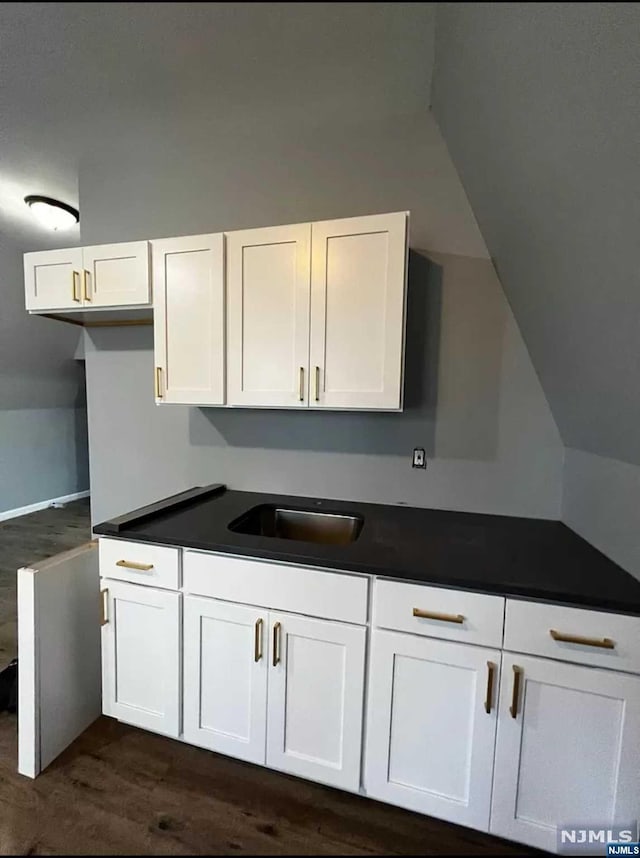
75	286
517	673
276	643
257	648
85	289
139	567
158	382
491	668
317	396
434	615
601	643
301	384
104	618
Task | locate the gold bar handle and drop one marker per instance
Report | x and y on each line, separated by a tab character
276	643
85	277
257	649
517	673
75	286
434	615
491	668
317	396
301	384
601	643
139	567
104	616
158	382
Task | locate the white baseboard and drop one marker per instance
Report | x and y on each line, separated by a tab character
35	507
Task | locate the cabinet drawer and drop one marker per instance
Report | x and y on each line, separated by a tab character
466	617
331	595
139	563
529	626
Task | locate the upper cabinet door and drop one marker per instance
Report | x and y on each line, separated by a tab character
52	279
188	304
568	749
268	276
358	278
116	275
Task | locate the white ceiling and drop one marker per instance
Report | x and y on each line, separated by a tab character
75	74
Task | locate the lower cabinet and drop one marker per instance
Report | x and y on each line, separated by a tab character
275	688
568	749
141	648
431	726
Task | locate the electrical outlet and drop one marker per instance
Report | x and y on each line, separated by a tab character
419	458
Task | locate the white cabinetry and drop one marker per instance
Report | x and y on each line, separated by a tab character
189	330
431	726
141	650
268	316
568	749
109	275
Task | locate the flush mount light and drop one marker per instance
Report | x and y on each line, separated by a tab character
52	213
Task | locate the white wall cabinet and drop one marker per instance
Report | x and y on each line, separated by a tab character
225	677
358	275
268	316
568	749
189	320
315	709
141	655
109	275
316	314
431	726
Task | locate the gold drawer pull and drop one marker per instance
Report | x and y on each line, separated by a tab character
301	384
601	643
257	652
75	286
489	698
158	382
276	643
85	285
104	619
139	567
434	615
317	396
517	673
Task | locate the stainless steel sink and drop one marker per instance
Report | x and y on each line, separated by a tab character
329	528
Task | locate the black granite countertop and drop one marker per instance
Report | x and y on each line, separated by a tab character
522	557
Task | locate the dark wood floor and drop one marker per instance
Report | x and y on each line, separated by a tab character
118	790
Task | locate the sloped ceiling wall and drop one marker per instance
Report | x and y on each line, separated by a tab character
539	104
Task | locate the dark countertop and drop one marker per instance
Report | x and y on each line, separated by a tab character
522	557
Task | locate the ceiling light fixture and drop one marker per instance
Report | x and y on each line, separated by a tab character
52	213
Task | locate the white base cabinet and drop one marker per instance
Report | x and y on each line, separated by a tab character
568	749
141	651
432	723
275	688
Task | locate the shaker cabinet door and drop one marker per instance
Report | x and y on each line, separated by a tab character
116	275
141	652
53	279
268	272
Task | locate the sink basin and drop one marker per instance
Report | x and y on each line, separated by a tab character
329	528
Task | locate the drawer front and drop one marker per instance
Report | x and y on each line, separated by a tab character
330	595
529	626
155	565
454	615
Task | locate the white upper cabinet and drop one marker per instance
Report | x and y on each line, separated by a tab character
188	277
116	275
109	275
53	279
358	276
568	749
268	276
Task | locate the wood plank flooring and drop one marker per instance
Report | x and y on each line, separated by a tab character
118	790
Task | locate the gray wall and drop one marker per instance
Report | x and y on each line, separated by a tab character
43	424
473	399
538	103
602	503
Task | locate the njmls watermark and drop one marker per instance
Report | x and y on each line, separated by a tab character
593	839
